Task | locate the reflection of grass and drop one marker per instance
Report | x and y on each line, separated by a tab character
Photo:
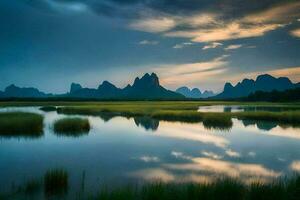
284	118
185	111
21	124
222	189
72	126
56	182
216	121
48	108
31	187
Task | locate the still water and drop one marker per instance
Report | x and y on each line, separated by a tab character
245	108
120	151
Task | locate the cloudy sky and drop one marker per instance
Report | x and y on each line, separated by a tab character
198	43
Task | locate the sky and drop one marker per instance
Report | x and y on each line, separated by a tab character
49	44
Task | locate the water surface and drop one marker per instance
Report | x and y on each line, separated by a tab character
120	151
245	108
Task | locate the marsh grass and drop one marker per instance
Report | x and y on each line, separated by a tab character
21	124
56	182
216	121
185	112
72	126
282	118
221	189
48	108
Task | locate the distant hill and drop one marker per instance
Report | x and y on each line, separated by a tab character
194	93
22	92
275	96
147	87
263	82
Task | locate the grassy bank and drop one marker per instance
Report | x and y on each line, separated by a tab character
185	112
48	108
282	118
72	126
182	111
223	189
21	124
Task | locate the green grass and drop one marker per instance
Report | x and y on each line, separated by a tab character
283	118
182	111
221	189
72	126
216	121
185	112
21	124
56	182
48	108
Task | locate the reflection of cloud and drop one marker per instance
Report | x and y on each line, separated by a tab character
212	45
153	174
182	45
180	155
192	132
252	154
149	159
211	155
225	167
148	42
296	32
295	166
279	132
233	46
232	153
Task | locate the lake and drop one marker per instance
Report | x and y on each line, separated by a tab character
120	150
245	108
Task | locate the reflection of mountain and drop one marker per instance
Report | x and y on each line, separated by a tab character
261	125
147	122
106	116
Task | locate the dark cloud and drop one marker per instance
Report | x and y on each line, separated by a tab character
232	8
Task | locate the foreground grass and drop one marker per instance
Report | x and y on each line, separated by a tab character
21	124
222	189
56	184
72	126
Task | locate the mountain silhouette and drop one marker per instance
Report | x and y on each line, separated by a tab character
18	92
75	87
207	93
194	93
263	82
147	87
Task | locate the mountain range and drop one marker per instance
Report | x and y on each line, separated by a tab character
147	87
265	83
194	93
